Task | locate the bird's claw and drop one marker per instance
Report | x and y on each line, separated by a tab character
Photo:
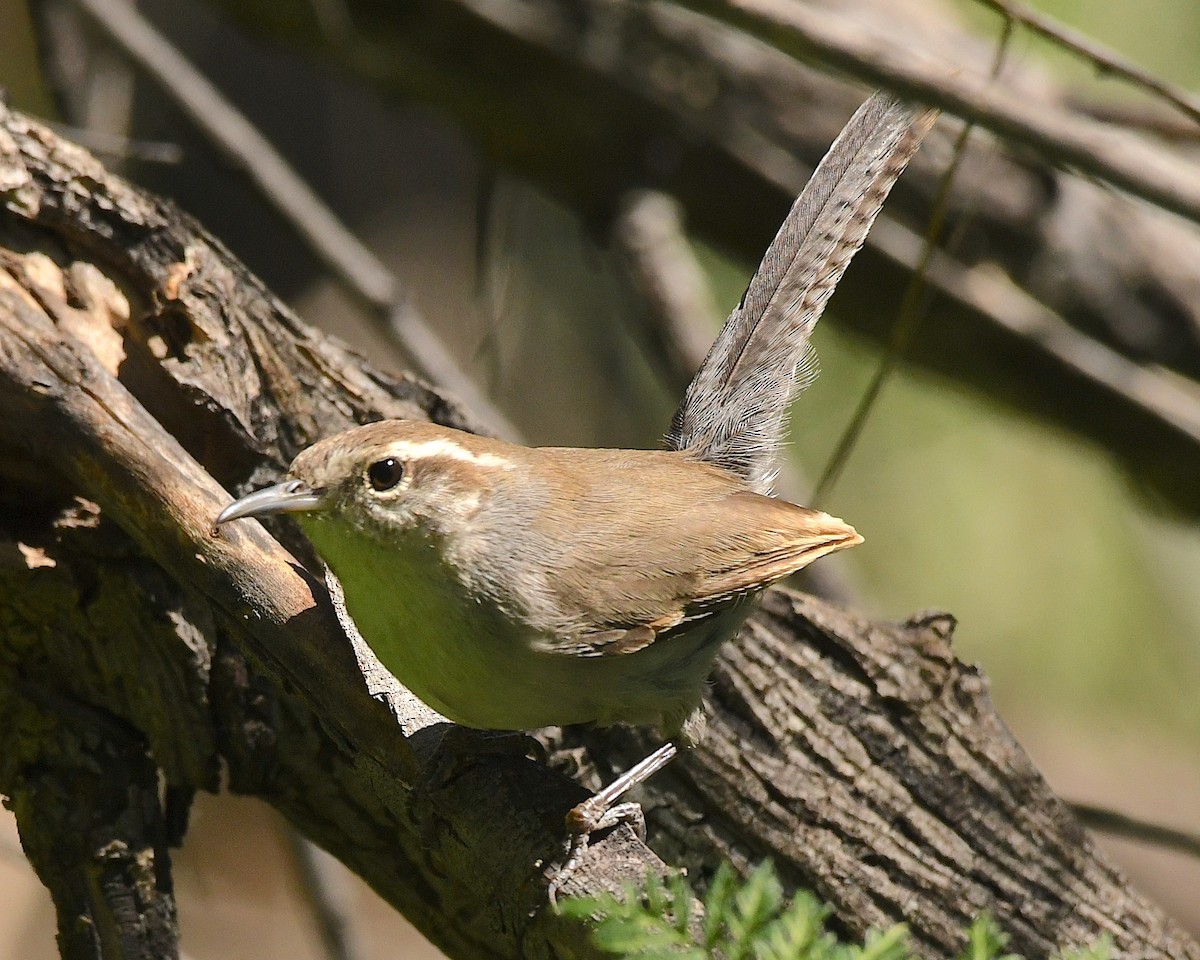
584	820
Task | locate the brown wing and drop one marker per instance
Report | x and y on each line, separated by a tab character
681	542
789	539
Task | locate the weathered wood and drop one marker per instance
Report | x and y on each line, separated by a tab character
140	365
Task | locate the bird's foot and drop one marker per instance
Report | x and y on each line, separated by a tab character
582	822
601	811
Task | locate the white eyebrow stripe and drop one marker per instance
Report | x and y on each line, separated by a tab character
447	448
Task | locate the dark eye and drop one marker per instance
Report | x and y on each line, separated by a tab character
385	474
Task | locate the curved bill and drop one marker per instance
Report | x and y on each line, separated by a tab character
291	496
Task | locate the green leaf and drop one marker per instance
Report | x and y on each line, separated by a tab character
796	932
1102	949
681	903
635	937
719	903
985	940
753	918
655	894
756	904
889	944
587	908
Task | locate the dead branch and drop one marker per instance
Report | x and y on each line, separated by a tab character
1103	58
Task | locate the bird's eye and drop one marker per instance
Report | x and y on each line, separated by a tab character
385	474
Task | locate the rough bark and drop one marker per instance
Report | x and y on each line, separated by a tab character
91	823
142	368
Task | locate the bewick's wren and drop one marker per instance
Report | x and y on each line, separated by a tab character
513	588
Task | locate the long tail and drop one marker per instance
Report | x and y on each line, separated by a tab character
734	413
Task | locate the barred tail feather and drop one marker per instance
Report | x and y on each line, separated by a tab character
734	413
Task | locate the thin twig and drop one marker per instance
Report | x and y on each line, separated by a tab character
244	145
1103	58
911	305
348	259
1114	157
1117	824
327	890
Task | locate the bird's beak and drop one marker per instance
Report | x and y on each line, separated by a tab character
291	496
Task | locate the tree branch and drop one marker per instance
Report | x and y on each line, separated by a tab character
1114	157
1098	55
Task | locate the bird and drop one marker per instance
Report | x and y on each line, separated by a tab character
514	588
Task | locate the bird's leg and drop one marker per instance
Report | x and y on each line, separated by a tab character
596	812
601	811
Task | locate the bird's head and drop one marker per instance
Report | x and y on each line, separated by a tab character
383	478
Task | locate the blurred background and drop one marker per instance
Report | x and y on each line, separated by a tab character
1074	580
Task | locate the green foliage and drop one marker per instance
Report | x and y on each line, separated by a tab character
754	920
1102	949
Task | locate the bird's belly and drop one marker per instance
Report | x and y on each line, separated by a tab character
481	676
478	667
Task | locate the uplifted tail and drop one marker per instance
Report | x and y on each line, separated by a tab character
735	410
